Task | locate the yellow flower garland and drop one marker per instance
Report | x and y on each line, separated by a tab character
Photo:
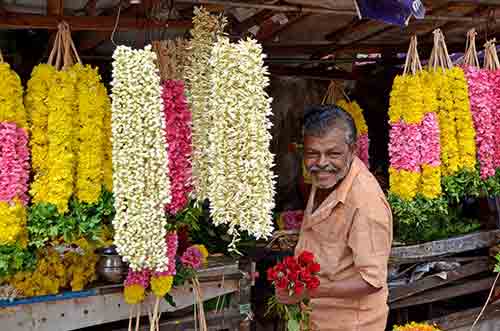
42	78
397	99
430	185
90	158
11	97
403	183
413	326
450	156
12	223
108	146
161	285
463	118
356	112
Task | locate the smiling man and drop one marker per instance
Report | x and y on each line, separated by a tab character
347	225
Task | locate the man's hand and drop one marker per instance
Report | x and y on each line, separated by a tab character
284	297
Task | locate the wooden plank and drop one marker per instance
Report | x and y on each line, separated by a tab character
55	7
445	293
88	23
444	247
268	34
466	318
427	283
95	310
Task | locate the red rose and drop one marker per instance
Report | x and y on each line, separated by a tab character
290	262
306	258
293	275
282	283
314	268
299	288
305	276
271	274
313	283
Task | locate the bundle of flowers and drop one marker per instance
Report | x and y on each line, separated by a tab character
241	187
294	276
291	219
178	135
206	28
362	148
11	97
140	163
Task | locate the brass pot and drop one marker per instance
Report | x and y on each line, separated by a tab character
111	268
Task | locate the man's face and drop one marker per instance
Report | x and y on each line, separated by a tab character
327	158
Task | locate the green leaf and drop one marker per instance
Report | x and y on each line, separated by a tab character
293	325
170	300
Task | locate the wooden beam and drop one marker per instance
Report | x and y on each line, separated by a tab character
430	282
440	294
55	7
466	318
86	23
314	73
268	34
255	20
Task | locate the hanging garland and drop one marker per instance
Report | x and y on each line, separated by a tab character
178	136
140	167
241	187
206	28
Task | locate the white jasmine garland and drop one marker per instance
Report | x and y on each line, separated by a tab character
206	28
140	165
241	187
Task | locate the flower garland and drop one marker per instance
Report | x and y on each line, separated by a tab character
241	189
413	326
161	281
42	79
92	105
108	146
206	28
363	143
140	162
14	161
178	135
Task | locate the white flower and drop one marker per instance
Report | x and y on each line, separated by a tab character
140	165
241	186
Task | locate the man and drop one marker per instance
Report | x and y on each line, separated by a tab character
347	225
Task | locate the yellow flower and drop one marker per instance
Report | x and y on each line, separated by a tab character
12	223
430	186
357	114
161	285
11	97
133	294
108	165
416	327
204	252
413	112
463	118
403	183
398	99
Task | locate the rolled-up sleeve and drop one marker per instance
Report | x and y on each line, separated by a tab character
370	240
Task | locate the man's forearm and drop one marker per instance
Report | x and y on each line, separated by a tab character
354	287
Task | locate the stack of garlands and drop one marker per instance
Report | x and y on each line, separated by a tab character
353	108
432	136
484	95
14	173
69	113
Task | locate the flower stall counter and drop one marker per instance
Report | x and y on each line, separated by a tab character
105	304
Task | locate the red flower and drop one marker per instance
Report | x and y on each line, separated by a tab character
313	283
305	276
299	288
306	258
282	283
271	274
293	276
314	268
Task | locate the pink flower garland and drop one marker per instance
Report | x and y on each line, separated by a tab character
14	163
495	81
138	278
192	258
482	93
172	244
430	149
178	134
404	152
362	149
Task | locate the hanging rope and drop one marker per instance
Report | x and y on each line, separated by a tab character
470	57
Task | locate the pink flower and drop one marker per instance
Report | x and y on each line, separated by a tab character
192	258
178	135
14	163
138	278
430	149
483	99
362	149
404	146
293	219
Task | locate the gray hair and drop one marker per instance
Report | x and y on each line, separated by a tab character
320	119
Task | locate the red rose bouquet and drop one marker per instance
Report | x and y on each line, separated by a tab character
294	275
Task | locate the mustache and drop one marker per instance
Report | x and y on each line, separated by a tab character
327	168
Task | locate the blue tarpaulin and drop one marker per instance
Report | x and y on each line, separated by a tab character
390	11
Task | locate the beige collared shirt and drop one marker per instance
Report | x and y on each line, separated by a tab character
350	233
